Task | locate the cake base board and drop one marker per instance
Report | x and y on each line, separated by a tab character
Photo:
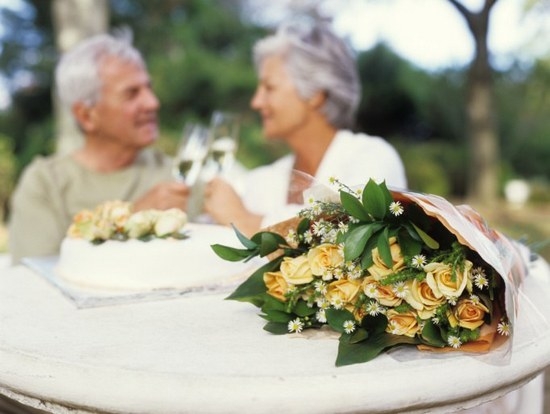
45	266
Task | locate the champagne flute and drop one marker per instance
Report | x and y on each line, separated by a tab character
191	153
224	128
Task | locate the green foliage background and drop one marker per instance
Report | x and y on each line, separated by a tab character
199	56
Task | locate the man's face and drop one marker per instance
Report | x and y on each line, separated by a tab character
126	111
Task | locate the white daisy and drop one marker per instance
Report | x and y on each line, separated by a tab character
504	328
320	286
480	278
399	289
349	326
291	237
318	228
295	325
454	341
394	328
475	299
337	303
371	290
418	261
321	316
396	208
373	308
343	227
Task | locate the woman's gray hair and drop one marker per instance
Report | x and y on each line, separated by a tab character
317	61
77	73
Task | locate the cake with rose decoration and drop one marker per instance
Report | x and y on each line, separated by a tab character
112	248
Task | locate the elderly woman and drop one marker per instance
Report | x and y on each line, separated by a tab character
307	95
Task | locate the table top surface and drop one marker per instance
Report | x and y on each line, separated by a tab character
202	353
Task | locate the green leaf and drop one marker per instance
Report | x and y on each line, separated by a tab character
270	242
337	317
375	199
431	334
353	206
383	245
387	194
303	226
272	304
253	289
302	309
358	336
357	239
366	258
375	324
245	241
411	231
409	245
276	328
355	353
232	254
277	316
431	243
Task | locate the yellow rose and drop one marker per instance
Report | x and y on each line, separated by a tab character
379	269
276	285
115	212
444	282
468	314
325	257
343	293
170	222
119	214
82	224
382	293
102	229
140	223
421	297
402	323
296	270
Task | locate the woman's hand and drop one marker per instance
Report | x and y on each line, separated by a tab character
225	206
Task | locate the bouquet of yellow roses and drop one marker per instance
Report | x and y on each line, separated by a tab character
384	268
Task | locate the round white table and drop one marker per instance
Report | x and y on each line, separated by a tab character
203	354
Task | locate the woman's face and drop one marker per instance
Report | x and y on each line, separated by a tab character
276	99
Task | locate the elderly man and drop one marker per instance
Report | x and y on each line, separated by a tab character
105	83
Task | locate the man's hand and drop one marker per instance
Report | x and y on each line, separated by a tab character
163	196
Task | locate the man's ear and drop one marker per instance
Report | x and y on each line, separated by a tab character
318	99
83	114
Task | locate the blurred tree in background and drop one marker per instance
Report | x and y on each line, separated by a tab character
199	56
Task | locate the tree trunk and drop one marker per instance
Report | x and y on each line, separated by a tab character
483	169
74	20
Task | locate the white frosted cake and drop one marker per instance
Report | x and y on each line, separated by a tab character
130	255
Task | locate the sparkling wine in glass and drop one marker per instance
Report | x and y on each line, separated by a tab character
191	153
224	128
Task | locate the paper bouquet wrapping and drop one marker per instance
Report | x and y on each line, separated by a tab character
385	268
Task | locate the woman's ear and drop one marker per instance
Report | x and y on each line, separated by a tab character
82	113
318	99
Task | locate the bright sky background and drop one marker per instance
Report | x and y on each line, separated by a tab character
433	35
430	33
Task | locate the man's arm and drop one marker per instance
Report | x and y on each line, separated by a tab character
35	224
